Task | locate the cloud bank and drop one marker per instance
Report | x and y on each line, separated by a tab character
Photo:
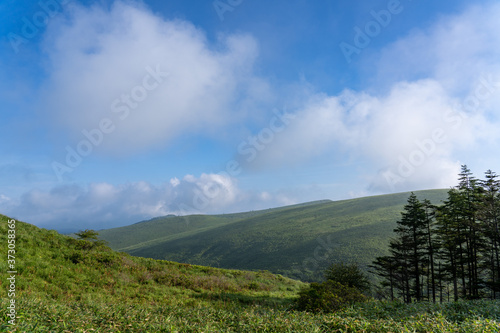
102	205
149	79
441	95
436	99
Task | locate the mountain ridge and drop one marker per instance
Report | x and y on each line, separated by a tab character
284	240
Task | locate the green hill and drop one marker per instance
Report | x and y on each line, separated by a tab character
297	241
63	284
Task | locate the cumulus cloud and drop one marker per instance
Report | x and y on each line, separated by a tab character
443	100
101	205
412	135
436	100
455	50
150	79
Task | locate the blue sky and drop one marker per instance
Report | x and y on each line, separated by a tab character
119	111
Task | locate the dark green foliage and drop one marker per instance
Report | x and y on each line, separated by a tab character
489	212
344	285
447	251
328	296
88	239
349	275
461	232
409	249
87	234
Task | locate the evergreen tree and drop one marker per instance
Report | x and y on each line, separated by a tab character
412	232
456	244
404	269
386	267
450	239
490	216
430	213
471	195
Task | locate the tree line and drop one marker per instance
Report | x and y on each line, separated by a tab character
449	251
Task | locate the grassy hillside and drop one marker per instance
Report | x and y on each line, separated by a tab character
67	285
62	280
174	227
296	241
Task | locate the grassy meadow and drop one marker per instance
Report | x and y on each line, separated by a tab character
69	285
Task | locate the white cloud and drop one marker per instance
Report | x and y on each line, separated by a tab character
455	50
101	63
441	105
414	134
103	205
434	106
4	200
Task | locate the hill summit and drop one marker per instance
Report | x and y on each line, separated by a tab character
297	241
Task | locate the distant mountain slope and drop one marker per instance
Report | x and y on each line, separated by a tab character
298	241
172	227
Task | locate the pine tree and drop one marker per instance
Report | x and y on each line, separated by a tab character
456	244
412	230
471	195
489	214
450	238
386	267
404	269
430	213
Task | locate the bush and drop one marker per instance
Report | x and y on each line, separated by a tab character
349	275
87	234
75	257
329	296
89	238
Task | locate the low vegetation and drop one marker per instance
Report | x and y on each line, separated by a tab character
344	285
63	283
328	296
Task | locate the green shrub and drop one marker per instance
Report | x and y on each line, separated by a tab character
87	234
349	275
107	258
328	296
76	257
88	239
253	286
